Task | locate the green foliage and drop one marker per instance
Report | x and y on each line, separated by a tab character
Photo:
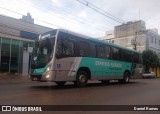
150	59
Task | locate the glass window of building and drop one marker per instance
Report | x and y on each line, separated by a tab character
14	56
25	45
11	52
5	55
151	39
31	44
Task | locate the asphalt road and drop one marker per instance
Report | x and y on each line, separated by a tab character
137	92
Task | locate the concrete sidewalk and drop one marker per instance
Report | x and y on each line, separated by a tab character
6	78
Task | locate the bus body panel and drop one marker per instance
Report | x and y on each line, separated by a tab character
66	68
105	69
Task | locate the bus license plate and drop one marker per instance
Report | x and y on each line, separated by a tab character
35	79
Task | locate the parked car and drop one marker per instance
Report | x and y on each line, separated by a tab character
149	75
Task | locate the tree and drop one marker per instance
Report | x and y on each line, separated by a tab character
150	59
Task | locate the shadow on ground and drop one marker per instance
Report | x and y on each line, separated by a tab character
89	85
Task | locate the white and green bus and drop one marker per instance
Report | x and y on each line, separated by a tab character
61	56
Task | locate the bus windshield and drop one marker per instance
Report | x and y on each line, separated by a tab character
42	53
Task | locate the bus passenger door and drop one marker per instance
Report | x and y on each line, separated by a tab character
65	59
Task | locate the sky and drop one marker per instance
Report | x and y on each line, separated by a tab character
77	17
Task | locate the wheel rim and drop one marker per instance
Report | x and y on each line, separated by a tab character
127	77
82	78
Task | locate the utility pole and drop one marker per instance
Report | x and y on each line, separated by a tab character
135	45
134	41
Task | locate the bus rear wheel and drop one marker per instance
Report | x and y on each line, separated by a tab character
81	79
126	78
60	83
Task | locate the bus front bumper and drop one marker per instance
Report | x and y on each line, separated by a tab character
49	76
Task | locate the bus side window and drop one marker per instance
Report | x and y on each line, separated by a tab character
68	47
84	49
136	58
92	49
101	51
59	47
116	53
108	52
127	56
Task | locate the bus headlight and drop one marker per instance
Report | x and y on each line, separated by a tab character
47	76
48	69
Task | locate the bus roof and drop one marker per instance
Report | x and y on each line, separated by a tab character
94	39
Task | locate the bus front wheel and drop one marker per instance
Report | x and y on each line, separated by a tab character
81	79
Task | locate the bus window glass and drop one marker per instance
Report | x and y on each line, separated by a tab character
45	51
116	53
84	49
136	57
100	51
127	56
66	47
108	52
42	53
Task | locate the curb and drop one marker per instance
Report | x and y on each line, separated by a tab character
11	75
14	79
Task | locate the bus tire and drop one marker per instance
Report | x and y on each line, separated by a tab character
60	83
81	79
126	78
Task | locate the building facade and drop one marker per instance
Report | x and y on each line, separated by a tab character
134	35
16	43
